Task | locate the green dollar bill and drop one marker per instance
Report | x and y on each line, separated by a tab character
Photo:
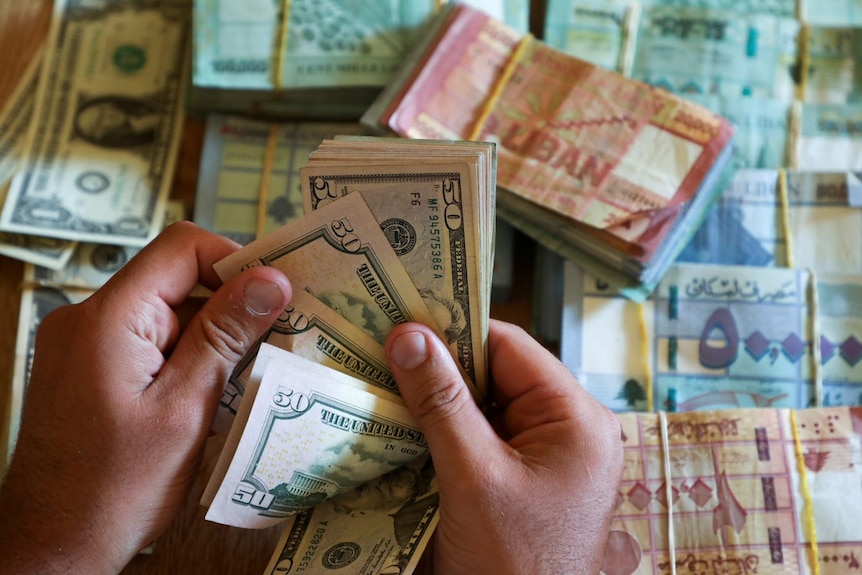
308	434
318	333
340	255
108	115
383	526
414	204
15	121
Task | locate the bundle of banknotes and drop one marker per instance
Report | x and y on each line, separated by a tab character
89	140
785	73
762	308
608	171
312	412
739	492
309	59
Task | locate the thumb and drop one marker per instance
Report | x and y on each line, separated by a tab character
438	398
221	333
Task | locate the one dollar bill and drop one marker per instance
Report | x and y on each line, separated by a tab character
108	115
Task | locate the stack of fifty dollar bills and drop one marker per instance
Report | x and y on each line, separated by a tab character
317	434
607	171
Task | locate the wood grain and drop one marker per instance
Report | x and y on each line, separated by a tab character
191	544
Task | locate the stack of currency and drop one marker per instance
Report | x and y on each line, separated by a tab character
607	171
761	310
309	59
760	307
312	411
231	184
89	140
739	492
789	84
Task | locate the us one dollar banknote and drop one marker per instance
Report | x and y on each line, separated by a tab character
306	434
45	289
107	120
15	120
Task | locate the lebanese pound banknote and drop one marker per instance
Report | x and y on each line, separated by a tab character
307	434
107	122
833	74
233	163
728	336
704	51
830	138
747	225
611	154
593	30
835	13
739	491
15	121
710	337
312	330
339	255
329	43
761	128
838	338
380	527
431	212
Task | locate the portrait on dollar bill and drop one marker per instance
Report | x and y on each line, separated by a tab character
116	122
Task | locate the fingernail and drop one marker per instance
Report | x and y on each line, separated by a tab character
408	351
261	297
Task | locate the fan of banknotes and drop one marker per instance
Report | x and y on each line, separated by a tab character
610	172
312	412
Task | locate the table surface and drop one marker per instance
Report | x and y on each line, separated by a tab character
191	544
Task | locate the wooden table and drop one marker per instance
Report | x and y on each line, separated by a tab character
191	544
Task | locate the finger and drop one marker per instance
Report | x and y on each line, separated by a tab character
158	278
219	336
532	386
173	264
515	361
439	399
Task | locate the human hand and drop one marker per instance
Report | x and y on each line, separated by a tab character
120	401
536	495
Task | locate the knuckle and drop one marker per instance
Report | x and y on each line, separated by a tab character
442	399
226	336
